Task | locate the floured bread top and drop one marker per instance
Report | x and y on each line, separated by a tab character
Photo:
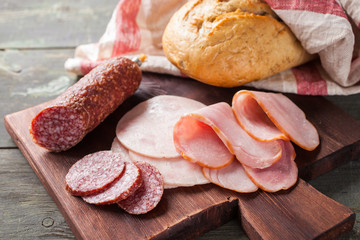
230	43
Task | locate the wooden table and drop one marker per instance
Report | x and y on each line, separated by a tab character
36	38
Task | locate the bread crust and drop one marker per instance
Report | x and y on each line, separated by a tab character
230	43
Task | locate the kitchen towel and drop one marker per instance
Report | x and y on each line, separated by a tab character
328	28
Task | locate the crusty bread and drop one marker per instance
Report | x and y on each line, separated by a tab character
231	42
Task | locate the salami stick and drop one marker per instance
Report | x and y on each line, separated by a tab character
85	105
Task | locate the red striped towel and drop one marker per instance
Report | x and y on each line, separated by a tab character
329	28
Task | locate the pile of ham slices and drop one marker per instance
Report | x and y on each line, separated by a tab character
241	147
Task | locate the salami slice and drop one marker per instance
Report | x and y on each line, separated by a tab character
85	105
94	173
149	193
126	185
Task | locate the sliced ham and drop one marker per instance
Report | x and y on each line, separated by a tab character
118	148
280	176
231	177
269	116
221	119
147	129
176	172
198	143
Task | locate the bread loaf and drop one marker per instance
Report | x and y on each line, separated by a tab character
231	42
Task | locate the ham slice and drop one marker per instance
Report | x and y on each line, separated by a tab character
118	148
176	172
198	143
280	176
269	116
220	118
147	129
231	177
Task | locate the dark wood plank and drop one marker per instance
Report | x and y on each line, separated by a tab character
29	78
208	203
343	185
48	24
350	104
311	212
27	211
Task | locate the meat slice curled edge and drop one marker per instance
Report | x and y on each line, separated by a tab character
268	116
220	119
198	143
231	177
280	176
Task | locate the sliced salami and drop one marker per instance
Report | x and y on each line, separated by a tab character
94	173
148	128
126	185
85	105
148	194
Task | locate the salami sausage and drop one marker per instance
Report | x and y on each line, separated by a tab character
148	194
94	173
126	185
85	105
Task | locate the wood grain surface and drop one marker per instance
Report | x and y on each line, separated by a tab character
302	212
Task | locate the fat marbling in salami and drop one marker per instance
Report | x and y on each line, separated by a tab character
94	173
149	193
126	185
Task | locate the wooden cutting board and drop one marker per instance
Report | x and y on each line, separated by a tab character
185	213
